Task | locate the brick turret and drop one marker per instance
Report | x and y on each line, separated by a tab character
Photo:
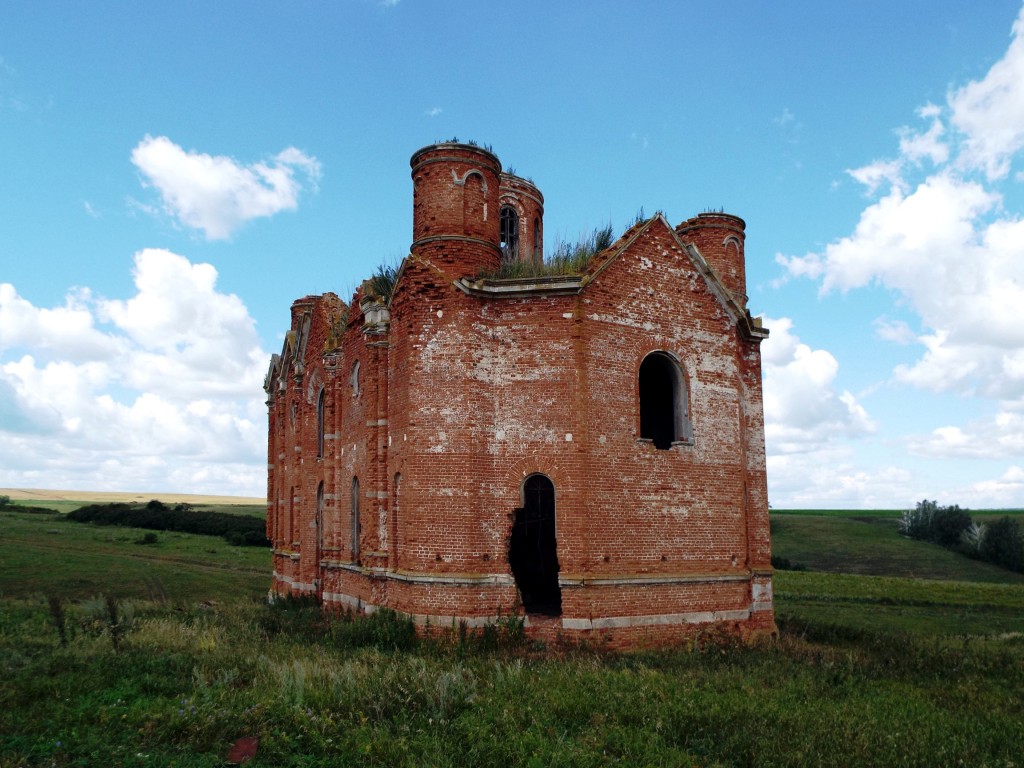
719	237
455	207
522	196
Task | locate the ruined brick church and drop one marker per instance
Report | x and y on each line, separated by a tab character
584	450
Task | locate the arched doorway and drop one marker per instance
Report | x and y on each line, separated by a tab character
533	554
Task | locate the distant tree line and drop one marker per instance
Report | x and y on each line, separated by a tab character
240	530
9	506
1000	542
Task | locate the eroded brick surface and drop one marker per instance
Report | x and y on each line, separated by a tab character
439	401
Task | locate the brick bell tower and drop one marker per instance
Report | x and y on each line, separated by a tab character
522	220
455	211
719	237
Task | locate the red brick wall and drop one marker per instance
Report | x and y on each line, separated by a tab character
467	394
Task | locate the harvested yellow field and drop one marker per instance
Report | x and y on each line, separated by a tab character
40	494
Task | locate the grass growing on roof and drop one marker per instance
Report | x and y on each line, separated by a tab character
566	258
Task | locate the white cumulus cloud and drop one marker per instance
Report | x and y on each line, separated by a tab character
1003	491
215	193
990	112
803	410
939	236
163	393
997	437
832	477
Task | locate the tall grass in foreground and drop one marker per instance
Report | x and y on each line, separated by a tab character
182	683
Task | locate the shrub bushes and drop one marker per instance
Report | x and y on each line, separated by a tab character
785	564
1000	543
240	530
949	524
917	522
930	522
9	506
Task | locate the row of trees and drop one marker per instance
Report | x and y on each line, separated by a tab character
1000	542
241	530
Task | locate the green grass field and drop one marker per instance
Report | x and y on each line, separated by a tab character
870	545
55	556
890	654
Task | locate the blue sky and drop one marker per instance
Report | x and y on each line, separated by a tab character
172	176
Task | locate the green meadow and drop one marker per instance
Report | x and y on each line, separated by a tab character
118	652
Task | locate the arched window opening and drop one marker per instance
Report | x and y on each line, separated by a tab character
354	523
355	379
396	510
536	238
509	233
290	527
664	418
320	403
474	203
533	551
319	525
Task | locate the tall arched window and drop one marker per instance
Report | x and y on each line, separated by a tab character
509	233
320	402
396	510
664	413
290	528
354	523
536	238
319	520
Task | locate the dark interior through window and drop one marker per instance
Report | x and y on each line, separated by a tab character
509	233
658	406
320	402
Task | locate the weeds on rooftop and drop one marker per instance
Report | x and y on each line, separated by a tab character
566	258
382	281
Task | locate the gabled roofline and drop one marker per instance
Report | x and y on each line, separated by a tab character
410	257
748	325
628	237
564	285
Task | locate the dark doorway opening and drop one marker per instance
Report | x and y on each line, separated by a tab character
533	554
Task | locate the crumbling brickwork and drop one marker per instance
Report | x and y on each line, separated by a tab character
586	450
